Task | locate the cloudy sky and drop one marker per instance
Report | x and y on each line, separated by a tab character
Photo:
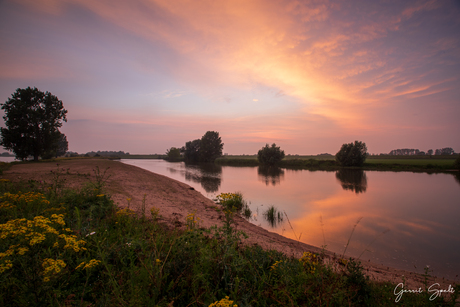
142	76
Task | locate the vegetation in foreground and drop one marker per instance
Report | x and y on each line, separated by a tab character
75	248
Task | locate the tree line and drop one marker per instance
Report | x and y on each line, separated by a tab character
33	118
412	152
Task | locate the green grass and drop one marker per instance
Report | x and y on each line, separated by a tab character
327	162
61	247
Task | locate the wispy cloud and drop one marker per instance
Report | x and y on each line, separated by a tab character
334	62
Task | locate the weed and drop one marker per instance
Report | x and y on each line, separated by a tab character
78	249
351	234
101	179
273	216
234	202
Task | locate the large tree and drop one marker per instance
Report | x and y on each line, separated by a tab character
352	154
192	151
32	120
211	146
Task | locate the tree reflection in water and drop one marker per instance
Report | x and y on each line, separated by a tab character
352	179
209	175
270	174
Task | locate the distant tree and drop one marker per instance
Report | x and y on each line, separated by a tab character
173	154
429	152
447	151
192	151
270	155
352	154
32	120
210	146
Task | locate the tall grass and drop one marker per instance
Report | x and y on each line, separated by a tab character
76	248
273	216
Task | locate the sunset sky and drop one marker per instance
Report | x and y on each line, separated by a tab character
143	76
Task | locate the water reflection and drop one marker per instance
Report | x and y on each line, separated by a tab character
457	177
420	209
209	175
353	180
270	174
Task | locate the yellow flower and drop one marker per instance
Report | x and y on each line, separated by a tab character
52	267
100	195
309	261
5	266
225	302
22	250
91	264
274	265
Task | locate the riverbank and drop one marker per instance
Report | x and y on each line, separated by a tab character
176	201
431	164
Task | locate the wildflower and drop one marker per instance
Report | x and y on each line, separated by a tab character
154	212
125	212
91	264
309	261
52	267
100	195
72	243
22	250
5	266
90	234
225	302
158	261
192	221
342	261
274	265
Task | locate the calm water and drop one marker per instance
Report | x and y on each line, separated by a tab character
407	220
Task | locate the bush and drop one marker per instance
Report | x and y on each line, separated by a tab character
352	154
173	154
457	163
270	155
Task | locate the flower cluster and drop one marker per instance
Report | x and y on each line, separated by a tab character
225	302
40	231
192	220
155	212
309	261
231	201
91	264
274	265
9	200
52	267
125	212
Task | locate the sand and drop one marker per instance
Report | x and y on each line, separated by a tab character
176	200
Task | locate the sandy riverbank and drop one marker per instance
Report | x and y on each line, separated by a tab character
175	200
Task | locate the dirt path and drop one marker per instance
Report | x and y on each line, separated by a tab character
175	200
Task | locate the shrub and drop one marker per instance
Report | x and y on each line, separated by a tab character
270	155
457	163
352	154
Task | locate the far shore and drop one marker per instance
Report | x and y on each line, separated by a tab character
131	186
327	162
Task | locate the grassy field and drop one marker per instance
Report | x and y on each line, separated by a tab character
61	247
327	162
